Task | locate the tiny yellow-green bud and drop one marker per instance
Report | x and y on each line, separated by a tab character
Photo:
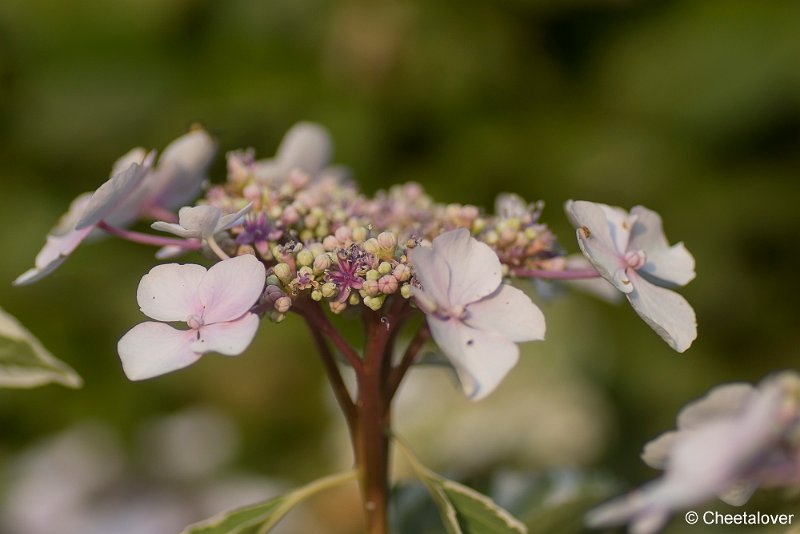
371	245
328	290
360	234
272	280
305	257
375	303
531	233
385	267
372	274
283	304
306	235
306	270
405	291
316	295
354	299
283	272
276	317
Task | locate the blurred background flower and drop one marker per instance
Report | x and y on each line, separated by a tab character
689	108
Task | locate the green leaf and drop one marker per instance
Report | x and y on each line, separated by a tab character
25	363
261	517
462	509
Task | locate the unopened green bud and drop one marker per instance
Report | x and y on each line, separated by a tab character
385	267
372	274
272	280
328	290
354	299
276	317
283	304
305	257
283	272
371	245
375	303
360	234
316	295
405	291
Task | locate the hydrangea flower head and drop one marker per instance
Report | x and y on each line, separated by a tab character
214	304
630	251
474	317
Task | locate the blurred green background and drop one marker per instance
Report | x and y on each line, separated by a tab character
690	108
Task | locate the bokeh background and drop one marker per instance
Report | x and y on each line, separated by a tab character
690	108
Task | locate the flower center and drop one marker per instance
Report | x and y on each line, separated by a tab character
635	259
194	322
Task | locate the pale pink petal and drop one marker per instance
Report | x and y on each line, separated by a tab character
306	146
152	349
231	287
657	451
620	224
721	402
170	292
181	170
596	241
134	205
673	265
475	269
481	359
52	255
109	195
68	221
232	219
173	228
135	155
229	338
509	313
665	311
432	272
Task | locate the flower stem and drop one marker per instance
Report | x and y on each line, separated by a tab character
399	371
371	444
214	246
569	274
147	239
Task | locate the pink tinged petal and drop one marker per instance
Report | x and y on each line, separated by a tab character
152	349
52	255
173	228
509	313
170	292
481	359
665	311
306	146
170	252
135	155
229	338
726	401
432	271
475	269
669	264
596	242
68	221
233	219
230	288
657	451
196	221
181	170
109	195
